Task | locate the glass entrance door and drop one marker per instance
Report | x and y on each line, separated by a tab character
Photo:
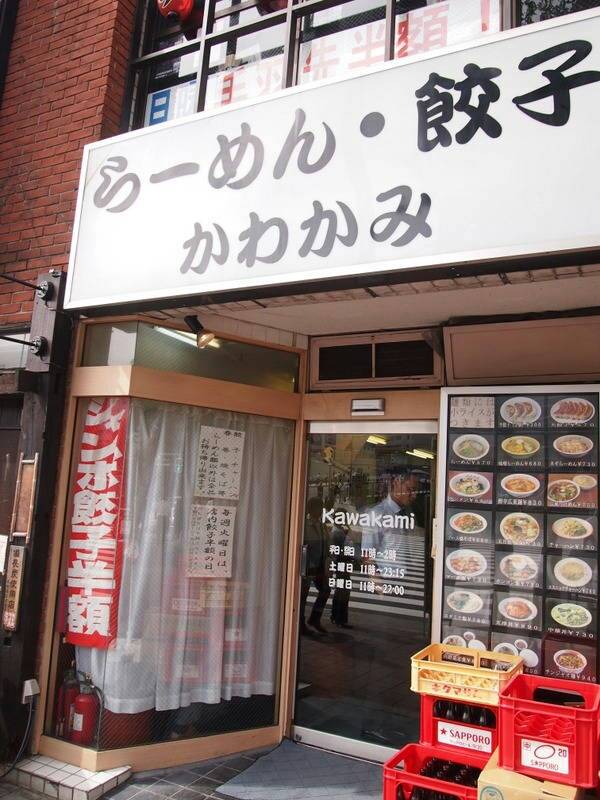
366	584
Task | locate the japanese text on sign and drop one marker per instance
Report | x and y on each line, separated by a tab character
95	545
220	457
260	195
210	551
12	592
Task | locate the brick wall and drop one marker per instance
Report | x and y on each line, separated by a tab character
64	87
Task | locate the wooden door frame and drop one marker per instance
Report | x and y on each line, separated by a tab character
142	382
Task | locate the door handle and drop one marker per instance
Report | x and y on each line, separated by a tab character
304	561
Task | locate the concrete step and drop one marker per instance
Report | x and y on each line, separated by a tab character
62	781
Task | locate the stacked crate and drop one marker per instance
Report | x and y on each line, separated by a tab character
550	729
460	694
489	731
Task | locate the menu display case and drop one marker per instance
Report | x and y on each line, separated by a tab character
520	504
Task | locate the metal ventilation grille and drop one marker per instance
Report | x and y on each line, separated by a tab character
375	360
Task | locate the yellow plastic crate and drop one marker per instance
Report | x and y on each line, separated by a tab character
443	670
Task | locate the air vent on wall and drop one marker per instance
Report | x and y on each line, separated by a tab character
407	358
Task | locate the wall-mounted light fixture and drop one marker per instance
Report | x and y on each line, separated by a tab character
203	337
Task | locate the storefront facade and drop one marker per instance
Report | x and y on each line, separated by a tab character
348	451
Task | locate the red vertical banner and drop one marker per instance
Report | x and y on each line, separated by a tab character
96	538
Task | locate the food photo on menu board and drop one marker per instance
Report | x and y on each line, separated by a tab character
572	450
517	610
520	489
467	525
523	570
520	528
564	658
566	490
572	532
520	644
466	448
566	573
576	618
464	563
524	450
567	410
464	636
520	412
470	487
463	605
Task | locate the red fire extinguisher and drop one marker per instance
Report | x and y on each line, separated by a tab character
68	691
86	713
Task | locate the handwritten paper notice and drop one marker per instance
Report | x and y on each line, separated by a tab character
210	546
472	412
219	463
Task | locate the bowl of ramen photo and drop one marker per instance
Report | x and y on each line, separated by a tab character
563	491
471	447
520	485
570	662
470	484
573	445
520	446
519	528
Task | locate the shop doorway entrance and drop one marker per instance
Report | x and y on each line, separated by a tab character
366	586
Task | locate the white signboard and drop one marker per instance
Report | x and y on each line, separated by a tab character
476	153
210	550
220	455
545	756
464	736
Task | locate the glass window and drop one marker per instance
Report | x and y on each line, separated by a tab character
165	348
339	39
366	582
537	10
194	646
245	67
424	25
170	88
13	355
227	15
109	345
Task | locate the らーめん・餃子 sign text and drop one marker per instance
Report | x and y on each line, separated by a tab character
447	159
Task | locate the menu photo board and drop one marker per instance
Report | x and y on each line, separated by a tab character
521	527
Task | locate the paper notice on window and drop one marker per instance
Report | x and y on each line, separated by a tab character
210	541
472	412
219	463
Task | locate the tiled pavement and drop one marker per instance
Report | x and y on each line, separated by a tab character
198	781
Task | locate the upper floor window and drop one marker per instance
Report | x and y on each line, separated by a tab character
529	11
245	49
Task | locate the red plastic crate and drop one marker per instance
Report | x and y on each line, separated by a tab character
550	741
403	771
459	735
